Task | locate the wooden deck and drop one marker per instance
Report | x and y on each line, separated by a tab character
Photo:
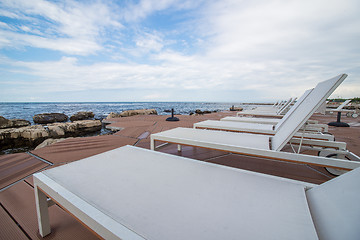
17	203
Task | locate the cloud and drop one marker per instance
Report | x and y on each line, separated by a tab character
149	42
71	27
142	9
156	97
268	49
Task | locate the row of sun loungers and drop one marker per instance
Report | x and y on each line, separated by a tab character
340	109
136	193
274	111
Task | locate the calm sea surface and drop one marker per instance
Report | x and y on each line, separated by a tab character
102	109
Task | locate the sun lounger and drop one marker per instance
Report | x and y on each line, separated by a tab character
340	110
270	120
265	145
259	127
279	110
270	113
133	193
340	107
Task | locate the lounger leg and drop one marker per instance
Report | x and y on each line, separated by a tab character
152	144
42	212
179	148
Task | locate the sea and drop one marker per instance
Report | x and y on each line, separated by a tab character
26	111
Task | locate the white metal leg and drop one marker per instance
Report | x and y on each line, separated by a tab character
152	144
42	212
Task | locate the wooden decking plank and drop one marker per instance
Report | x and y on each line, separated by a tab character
77	148
133	132
290	170
19	201
14	167
9	228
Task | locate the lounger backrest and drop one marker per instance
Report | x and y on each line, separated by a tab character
343	104
280	104
322	108
293	108
304	111
286	106
283	106
334	207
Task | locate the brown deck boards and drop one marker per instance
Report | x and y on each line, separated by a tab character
14	167
289	170
9	228
19	201
77	148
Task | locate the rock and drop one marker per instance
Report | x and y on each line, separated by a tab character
13	123
34	135
24	136
129	113
49	141
73	129
236	108
113	115
167	110
198	111
50	118
82	116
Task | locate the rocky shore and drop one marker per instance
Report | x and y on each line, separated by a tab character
19	133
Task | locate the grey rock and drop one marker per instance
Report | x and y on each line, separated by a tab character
13	123
34	135
129	113
233	108
198	111
24	136
50	118
82	116
49	142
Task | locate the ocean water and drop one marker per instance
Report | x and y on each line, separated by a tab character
102	109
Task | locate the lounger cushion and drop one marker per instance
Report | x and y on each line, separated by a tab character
237	126
272	121
216	139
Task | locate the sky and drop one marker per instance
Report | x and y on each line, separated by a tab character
176	50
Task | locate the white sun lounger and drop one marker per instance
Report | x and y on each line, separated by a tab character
270	112
278	110
340	109
259	128
256	128
133	193
269	120
265	145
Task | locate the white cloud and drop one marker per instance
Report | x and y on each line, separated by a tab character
149	42
71	27
144	8
156	97
273	49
